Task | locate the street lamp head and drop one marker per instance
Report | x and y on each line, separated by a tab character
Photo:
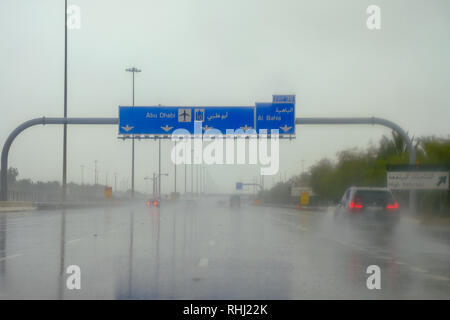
133	69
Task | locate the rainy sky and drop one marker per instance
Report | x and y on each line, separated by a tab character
223	53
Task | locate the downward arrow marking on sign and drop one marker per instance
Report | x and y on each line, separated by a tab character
127	128
166	128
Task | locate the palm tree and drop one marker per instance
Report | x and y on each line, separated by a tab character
394	146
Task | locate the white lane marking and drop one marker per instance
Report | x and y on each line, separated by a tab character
417	269
384	257
74	240
203	262
11	256
301	228
438	277
212	243
348	244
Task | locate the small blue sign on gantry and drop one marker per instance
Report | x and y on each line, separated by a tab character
283	98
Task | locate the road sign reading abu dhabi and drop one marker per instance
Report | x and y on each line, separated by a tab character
164	120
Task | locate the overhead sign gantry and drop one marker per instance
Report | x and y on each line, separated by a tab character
115	121
164	120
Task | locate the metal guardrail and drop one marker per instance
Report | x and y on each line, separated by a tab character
30	196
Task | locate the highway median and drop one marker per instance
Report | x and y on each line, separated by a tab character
14	206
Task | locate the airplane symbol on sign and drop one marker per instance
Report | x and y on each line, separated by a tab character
285	128
127	128
166	128
184	115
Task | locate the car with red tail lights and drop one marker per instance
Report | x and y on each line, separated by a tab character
154	202
366	204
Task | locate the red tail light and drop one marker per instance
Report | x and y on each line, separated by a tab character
155	203
148	203
355	205
392	206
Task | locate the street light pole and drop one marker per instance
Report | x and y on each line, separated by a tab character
196	179
64	178
133	70
159	168
204	179
175	166
153	183
95	172
192	171
158	179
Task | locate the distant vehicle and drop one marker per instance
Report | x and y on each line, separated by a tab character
190	203
235	201
368	205
174	196
155	202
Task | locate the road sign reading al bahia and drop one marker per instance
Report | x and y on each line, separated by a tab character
164	120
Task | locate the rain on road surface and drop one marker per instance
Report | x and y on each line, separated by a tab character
209	251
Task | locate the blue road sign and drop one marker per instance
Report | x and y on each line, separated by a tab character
279	116
164	120
159	120
152	120
239	185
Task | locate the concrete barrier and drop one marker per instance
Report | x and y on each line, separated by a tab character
11	206
295	207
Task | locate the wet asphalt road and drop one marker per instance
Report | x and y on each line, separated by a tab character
209	251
